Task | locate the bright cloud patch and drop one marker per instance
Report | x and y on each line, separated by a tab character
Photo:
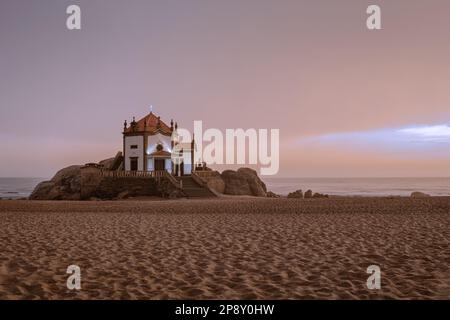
433	140
439	132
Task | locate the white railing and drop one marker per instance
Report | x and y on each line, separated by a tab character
141	174
132	174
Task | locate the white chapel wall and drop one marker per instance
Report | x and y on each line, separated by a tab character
138	152
153	141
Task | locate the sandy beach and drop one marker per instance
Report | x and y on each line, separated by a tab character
240	248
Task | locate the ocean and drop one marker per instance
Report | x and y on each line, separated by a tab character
14	188
361	186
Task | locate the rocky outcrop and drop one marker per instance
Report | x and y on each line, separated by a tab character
65	185
244	181
257	186
90	181
419	195
319	195
215	181
298	194
308	194
114	163
126	187
271	194
235	184
107	163
85	183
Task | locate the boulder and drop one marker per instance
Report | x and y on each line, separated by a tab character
107	163
308	194
235	184
257	186
215	181
75	182
42	190
65	185
417	194
113	163
298	194
319	195
90	181
271	194
244	181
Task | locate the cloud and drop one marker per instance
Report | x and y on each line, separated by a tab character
439	133
424	140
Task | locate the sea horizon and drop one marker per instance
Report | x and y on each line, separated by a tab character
22	187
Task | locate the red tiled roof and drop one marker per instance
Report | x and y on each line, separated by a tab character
151	124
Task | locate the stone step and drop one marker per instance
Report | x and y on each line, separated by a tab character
193	190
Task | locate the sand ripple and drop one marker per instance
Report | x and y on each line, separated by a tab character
226	249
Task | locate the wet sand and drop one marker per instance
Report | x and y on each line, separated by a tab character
242	248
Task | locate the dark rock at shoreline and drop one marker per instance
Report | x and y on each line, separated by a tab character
85	182
65	185
417	194
271	194
216	182
319	195
298	194
257	186
308	194
244	181
235	184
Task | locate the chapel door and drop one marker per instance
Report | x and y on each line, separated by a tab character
133	164
159	164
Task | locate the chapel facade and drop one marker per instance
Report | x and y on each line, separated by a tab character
148	145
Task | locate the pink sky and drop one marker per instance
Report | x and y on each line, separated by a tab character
339	93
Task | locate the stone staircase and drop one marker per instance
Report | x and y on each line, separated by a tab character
193	190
